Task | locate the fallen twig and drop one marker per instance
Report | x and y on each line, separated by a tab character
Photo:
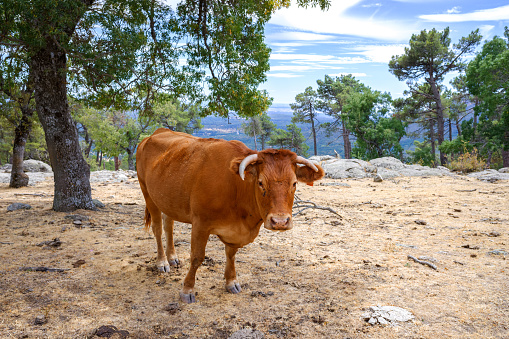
6	243
304	205
422	262
472	190
34	194
44	269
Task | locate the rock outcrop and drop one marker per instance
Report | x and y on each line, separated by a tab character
387	167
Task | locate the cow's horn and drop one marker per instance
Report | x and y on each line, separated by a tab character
247	160
301	160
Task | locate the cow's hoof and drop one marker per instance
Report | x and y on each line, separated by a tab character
235	288
175	262
164	269
188	298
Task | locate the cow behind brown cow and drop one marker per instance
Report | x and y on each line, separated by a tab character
220	187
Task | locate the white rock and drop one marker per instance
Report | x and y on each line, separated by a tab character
387	315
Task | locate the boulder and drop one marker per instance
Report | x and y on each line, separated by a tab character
18	206
7	168
388	163
108	176
36	166
347	168
386	167
489	175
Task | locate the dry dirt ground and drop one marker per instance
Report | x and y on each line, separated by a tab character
314	281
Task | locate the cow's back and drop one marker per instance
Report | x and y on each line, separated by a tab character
183	174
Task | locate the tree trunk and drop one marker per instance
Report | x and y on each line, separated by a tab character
505	152
505	158
88	142
346	141
21	133
71	172
130	150
440	117
314	133
450	130
130	158
117	162
432	139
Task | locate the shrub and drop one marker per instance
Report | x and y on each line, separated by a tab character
468	162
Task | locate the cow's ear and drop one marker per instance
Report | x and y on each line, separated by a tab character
250	171
308	175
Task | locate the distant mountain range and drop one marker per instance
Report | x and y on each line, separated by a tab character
281	115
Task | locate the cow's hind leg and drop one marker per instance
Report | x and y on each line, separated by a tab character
157	228
171	255
198	244
230	275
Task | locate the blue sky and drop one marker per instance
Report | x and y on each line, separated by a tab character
360	36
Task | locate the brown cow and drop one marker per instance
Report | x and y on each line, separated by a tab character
220	187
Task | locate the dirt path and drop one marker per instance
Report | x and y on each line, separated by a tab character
314	281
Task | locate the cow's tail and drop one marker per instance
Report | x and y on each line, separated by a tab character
148	219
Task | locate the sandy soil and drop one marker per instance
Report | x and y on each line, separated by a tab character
314	281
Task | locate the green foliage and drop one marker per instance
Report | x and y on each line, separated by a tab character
304	108
333	94
430	53
291	139
304	111
458	145
177	116
487	77
229	40
261	127
422	154
378	134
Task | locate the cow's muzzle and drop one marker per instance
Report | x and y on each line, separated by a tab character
279	222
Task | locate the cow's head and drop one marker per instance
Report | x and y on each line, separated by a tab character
273	175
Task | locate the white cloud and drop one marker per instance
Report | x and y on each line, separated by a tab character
289	44
317	58
454	10
283	75
379	53
358	75
336	21
294	68
492	14
485	30
299	36
417	1
372	5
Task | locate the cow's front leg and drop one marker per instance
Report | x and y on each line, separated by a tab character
230	275
198	244
170	247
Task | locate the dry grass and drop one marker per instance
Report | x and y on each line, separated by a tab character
312	282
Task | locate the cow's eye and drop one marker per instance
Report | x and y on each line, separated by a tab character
260	183
295	184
